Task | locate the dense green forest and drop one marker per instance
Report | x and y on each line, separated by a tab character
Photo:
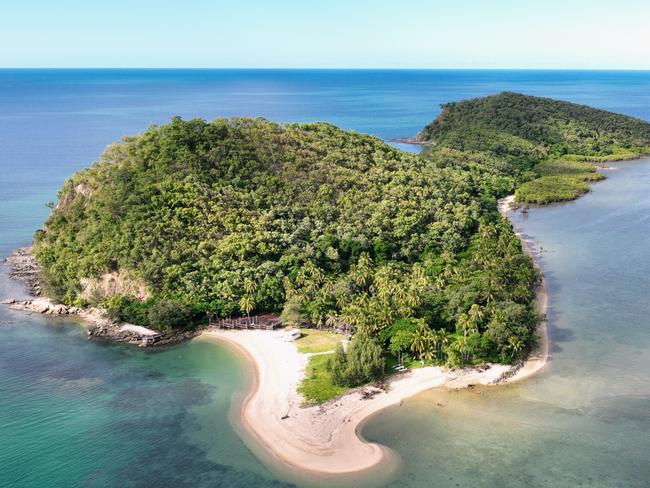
327	227
537	142
330	227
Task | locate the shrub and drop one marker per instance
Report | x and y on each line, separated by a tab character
362	363
400	325
292	312
128	309
554	168
170	314
549	189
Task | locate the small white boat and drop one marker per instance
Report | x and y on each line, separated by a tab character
293	334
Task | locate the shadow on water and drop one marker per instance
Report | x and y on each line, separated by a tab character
558	336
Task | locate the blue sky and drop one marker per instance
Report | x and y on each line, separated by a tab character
326	34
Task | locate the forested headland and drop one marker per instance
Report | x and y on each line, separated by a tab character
545	148
329	227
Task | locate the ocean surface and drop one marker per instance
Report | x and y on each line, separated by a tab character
76	413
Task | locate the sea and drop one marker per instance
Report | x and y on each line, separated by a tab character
80	413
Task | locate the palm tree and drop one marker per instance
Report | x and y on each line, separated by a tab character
400	301
486	251
362	270
492	284
418	276
249	286
399	296
450	265
475	316
440	281
342	293
515	345
309	277
382	287
443	341
331	321
464	323
463	347
435	339
351	313
419	342
289	289
246	304
412	297
328	287
428	355
226	292
422	343
475	313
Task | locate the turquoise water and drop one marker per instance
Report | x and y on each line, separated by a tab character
81	413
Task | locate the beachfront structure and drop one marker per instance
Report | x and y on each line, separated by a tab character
264	322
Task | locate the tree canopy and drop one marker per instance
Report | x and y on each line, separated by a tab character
530	129
517	136
331	227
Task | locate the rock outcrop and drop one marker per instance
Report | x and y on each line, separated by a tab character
25	268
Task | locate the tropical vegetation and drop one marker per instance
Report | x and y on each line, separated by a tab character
318	386
361	363
542	145
330	228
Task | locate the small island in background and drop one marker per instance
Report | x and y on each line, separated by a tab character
394	262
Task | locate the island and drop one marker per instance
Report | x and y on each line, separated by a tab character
401	271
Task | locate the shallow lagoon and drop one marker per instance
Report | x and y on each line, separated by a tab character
583	421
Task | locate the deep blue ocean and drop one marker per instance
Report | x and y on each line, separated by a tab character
79	413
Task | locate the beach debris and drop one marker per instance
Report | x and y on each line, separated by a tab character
509	373
383	385
483	367
369	392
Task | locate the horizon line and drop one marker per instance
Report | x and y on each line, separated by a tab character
251	68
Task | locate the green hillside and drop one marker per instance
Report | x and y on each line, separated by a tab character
322	225
526	133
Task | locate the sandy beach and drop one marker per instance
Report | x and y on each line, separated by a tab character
324	440
537	358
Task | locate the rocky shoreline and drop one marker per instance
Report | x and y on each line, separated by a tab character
24	268
413	140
